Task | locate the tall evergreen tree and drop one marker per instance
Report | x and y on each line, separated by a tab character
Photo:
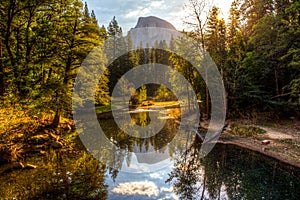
116	43
115	48
289	46
216	38
254	10
233	76
94	18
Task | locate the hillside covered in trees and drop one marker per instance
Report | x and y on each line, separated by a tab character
43	44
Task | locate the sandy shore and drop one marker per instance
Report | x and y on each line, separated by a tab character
284	141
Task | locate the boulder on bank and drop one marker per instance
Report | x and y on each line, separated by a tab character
265	142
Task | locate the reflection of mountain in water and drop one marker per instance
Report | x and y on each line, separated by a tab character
150	156
139	151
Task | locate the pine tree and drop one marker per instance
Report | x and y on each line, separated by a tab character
216	38
236	52
103	32
253	11
42	45
86	13
289	46
116	43
94	18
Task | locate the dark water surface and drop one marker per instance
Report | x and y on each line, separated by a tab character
172	170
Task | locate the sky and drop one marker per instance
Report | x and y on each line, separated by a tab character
127	12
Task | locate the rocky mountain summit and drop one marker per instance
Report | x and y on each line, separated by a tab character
153	21
152	29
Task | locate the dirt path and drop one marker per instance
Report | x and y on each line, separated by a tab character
283	139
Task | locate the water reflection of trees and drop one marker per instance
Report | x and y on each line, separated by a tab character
186	173
125	141
60	175
230	172
126	144
142	119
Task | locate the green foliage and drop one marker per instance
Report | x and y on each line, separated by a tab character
262	63
143	94
243	130
101	108
186	48
216	38
164	94
43	44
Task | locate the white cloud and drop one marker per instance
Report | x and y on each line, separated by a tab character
156	176
164	189
156	4
137	188
137	13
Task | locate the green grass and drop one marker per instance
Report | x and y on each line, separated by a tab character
243	130
101	109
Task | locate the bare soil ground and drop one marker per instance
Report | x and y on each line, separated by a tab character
284	138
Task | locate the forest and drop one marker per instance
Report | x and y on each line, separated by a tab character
43	44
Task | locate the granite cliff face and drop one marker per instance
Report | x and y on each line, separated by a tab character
152	21
151	29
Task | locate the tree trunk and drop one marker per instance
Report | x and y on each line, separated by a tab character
206	94
2	84
204	185
276	80
56	119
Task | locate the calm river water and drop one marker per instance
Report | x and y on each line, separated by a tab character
170	169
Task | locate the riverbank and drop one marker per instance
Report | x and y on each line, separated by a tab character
280	141
22	135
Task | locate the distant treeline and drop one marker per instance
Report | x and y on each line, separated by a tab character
43	43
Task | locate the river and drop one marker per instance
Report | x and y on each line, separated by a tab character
163	166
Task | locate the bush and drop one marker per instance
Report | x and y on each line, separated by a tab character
237	129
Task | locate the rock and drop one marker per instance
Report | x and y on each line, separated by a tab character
150	30
56	145
152	21
265	142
